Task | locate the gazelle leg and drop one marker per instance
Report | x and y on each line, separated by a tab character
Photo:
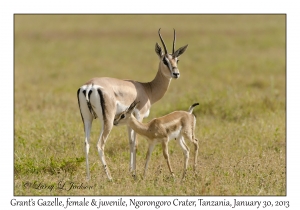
106	128
133	142
166	155
87	127
185	150
131	147
149	152
196	152
87	119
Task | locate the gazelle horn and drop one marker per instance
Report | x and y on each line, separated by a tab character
174	42
162	41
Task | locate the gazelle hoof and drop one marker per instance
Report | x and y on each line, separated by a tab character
134	176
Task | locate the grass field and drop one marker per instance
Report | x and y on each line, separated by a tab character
235	67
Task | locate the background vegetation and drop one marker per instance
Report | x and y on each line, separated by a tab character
234	67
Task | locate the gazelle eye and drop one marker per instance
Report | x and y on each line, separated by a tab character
177	61
122	116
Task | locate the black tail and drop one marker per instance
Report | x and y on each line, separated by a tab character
90	105
192	107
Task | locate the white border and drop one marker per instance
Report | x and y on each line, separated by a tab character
9	8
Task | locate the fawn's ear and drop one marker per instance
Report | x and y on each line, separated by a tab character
132	106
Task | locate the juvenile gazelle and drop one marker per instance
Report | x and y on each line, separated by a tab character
176	125
106	97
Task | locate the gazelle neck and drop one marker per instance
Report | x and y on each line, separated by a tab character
137	126
158	86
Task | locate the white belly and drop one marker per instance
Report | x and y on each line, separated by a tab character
174	134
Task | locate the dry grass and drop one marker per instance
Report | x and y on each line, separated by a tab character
234	67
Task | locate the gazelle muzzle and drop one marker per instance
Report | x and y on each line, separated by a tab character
176	75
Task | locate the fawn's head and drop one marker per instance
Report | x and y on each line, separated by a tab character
123	117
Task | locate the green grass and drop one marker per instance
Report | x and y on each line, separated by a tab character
234	67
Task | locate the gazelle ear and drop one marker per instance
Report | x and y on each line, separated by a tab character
132	106
158	50
180	51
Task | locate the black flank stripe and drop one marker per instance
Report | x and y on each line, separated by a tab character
78	91
102	102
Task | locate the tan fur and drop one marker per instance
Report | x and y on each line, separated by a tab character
117	94
178	125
